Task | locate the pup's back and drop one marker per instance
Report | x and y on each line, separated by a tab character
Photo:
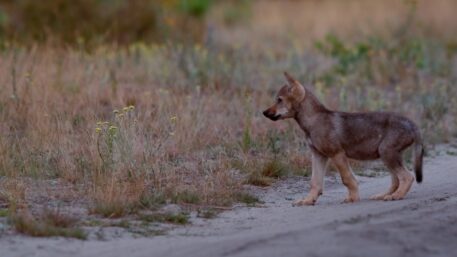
362	134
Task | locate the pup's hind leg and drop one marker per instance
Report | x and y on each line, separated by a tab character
319	167
342	164
406	180
394	162
392	189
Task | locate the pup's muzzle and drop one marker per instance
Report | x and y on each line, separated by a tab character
271	115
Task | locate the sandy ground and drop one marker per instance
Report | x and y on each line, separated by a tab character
423	224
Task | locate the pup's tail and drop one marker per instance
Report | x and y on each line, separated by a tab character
418	156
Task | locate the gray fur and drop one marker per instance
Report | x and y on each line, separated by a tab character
361	136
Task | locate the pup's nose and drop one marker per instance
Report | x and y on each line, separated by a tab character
265	113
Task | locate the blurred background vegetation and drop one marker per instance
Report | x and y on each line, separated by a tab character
123	22
95	22
101	21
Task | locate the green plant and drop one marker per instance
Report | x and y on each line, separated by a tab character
237	12
4	213
186	197
179	218
196	8
247	198
348	57
86	24
246	141
153	200
114	139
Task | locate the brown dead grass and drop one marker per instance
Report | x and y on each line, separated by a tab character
12	193
129	125
152	124
49	223
73	126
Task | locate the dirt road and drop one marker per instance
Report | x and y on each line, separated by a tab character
424	224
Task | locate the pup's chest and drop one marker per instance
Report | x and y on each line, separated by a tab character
326	144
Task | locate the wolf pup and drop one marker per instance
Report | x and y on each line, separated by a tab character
337	136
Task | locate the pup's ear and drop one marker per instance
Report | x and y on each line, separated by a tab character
295	88
290	80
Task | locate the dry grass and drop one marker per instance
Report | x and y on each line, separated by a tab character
185	122
124	132
49	223
152	124
167	119
12	194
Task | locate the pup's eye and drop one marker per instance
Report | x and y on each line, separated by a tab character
279	100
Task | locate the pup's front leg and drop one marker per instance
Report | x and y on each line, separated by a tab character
341	162
319	168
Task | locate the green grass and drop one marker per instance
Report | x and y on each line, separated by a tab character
153	201
178	218
451	152
247	198
4	213
186	197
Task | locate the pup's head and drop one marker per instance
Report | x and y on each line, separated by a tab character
287	99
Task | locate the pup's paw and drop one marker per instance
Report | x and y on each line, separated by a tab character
378	197
393	197
351	199
303	202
